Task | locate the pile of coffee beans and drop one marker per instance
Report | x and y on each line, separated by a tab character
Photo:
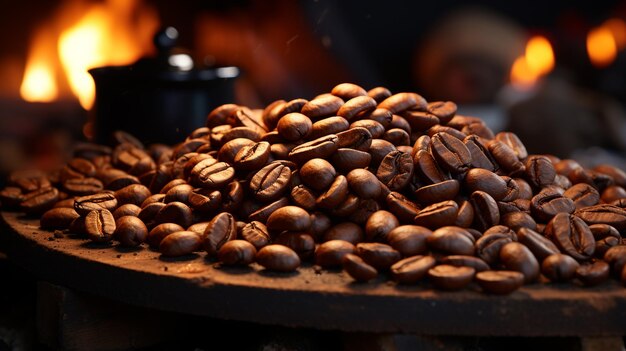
374	183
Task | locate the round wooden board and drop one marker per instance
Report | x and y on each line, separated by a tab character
308	298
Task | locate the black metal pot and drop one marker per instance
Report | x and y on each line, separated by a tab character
159	99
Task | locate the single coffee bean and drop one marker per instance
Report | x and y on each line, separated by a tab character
409	240
517	257
437	215
376	129
398	137
500	282
539	171
488	246
130	231
335	195
327	105
598	180
446	129
180	244
548	202
412	269
256	233
427	169
420	121
11	197
247	118
465	215
512	189
403	208
270	182
403	101
358	269
395	170
240	132
58	218
348	91
304	197
356	106
517	220
220	115
175	212
237	253
172	184
220	230
149	212
379	94
317	173
613	193
444	110
322	147
263	213
505	157
481	156
486	211
603	213
616	258
379	224
330	125
593	274
126	210
559	267
346	231
208	174
450	153
463	260
331	253
448	277
294	126
291	218
572	235
487	181
39	201
152	199
346	159
158	233
252	157
538	244
379	256
605	236
132	194
100	225
514	143
357	138
300	242
442	191
278	258
363	183
204	200
618	175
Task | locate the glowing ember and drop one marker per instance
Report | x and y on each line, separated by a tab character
39	83
601	47
537	61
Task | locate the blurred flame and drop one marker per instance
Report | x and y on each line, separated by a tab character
618	28
116	32
39	83
601	46
537	61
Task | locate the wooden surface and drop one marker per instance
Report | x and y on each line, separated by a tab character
308	298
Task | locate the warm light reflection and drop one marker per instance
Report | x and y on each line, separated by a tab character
537	61
39	83
617	27
601	47
115	32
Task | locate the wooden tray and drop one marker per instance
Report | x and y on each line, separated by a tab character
308	298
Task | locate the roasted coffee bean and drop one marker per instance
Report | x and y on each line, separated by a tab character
300	242
486	211
593	274
604	214
395	170
256	233
437	215
403	208
29	180
379	94
220	115
427	169
379	149
364	210
240	132
517	220
379	224
208	174
317	173
174	212
270	182
572	235
487	181
403	101
539	245
451	240
346	231
559	267
100	225
363	183
505	157
442	191
357	138
190	145
130	231
304	197
158	233
376	129
358	269
481	156
488	246
512	189
230	149
330	125
247	118
444	110
539	171
278	258
152	199
232	196
11	197
220	230
445	129
500	282
412	269
180	244
294	105
83	186
126	210
290	218
616	258
171	185
605	236
321	147
524	189
613	193
134	194
469	261
379	256
548	202
514	143
323	106
356	106
204	200
58	218
517	257
237	253
562	182
397	137
331	253
39	201
618	175
148	213
335	195
345	159
598	180
409	240
465	215
380	115
252	157
450	153
448	277
348	91
294	126
420	121
263	213
85	204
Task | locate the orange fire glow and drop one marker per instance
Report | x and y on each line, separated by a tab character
537	61
601	46
116	32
